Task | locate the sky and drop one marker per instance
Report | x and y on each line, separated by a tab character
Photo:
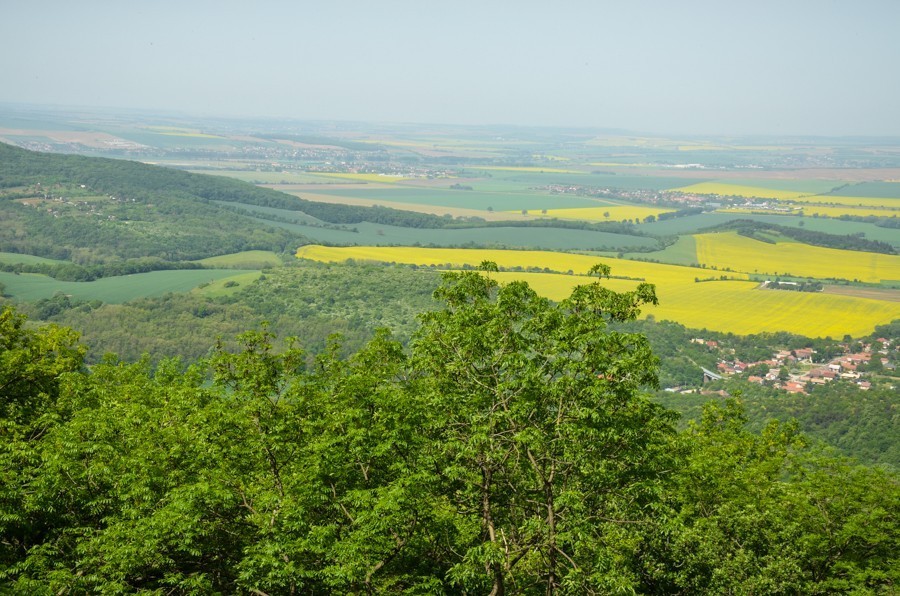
761	67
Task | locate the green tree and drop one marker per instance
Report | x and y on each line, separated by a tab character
545	448
33	367
762	514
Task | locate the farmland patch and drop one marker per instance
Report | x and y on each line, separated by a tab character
484	201
248	259
730	306
16	258
115	290
731	250
734	190
890	189
605	213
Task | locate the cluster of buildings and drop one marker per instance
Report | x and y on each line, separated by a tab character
651	197
795	371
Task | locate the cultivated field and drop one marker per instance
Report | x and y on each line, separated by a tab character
734	190
731	250
273	178
847	210
810	195
696	223
734	305
605	213
473	199
30	287
15	258
385	178
249	259
850	201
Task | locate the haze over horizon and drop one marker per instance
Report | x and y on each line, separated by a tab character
696	67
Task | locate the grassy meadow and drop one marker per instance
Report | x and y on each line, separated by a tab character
735	305
248	259
870	189
116	290
14	258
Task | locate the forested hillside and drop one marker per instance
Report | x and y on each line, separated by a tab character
93	210
512	449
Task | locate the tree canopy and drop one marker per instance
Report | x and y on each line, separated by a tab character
510	449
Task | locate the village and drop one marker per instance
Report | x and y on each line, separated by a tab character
798	371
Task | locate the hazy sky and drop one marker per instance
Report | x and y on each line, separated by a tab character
825	67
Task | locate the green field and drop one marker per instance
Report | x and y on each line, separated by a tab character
890	190
272	177
249	259
226	286
114	290
805	186
15	258
694	223
164	140
515	237
601	180
682	252
366	233
496	201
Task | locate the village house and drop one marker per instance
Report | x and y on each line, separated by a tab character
804	354
859	358
794	387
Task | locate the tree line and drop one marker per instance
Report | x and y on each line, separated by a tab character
753	229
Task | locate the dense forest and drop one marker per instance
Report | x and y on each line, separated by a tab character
512	447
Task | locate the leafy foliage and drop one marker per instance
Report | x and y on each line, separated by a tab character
511	449
759	514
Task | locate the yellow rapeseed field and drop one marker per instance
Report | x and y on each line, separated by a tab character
616	213
793	258
730	306
847	210
455	258
719	188
742	308
850	201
